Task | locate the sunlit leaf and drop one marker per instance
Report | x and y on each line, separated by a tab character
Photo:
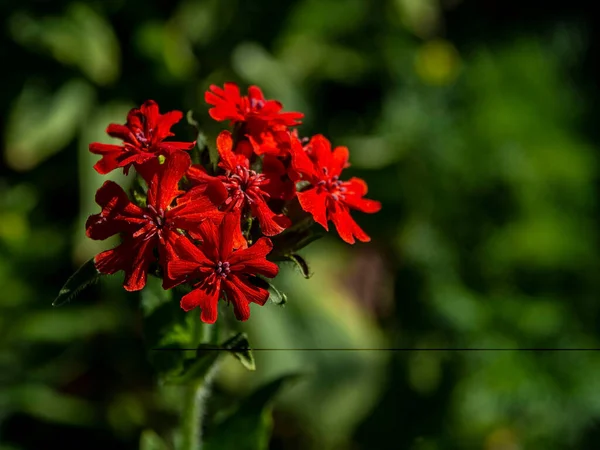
81	37
149	440
41	124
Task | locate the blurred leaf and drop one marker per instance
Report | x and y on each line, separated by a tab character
239	347
40	125
257	66
166	44
422	17
328	18
82	278
81	37
248	428
149	440
44	403
66	324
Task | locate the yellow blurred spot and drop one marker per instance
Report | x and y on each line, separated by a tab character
13	227
437	63
502	439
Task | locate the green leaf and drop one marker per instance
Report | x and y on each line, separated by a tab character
213	154
149	440
239	347
250	426
275	295
190	119
153	296
139	191
197	368
300	263
83	277
291	241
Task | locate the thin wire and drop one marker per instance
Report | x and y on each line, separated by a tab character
387	349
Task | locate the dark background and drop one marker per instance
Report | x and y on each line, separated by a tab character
475	124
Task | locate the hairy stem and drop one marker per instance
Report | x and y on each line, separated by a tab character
191	421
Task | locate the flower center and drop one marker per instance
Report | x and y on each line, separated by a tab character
222	269
155	216
256	103
333	185
243	185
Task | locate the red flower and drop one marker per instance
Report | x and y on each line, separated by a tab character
146	229
329	198
245	188
277	172
142	136
261	120
215	268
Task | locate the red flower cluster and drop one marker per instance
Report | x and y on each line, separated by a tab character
196	226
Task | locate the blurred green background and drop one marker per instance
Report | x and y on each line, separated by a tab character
475	124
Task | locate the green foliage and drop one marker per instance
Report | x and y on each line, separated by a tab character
249	427
239	347
83	277
149	440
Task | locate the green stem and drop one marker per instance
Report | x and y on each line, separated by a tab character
191	421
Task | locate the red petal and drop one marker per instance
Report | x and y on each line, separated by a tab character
314	202
355	189
301	162
121	132
184	249
162	179
133	257
321	152
271	224
230	225
150	111
339	160
255	93
166	148
346	227
290	119
241	293
206	299
172	171
226	102
252	260
192	210
165	122
118	213
280	186
110	154
209	233
224	146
